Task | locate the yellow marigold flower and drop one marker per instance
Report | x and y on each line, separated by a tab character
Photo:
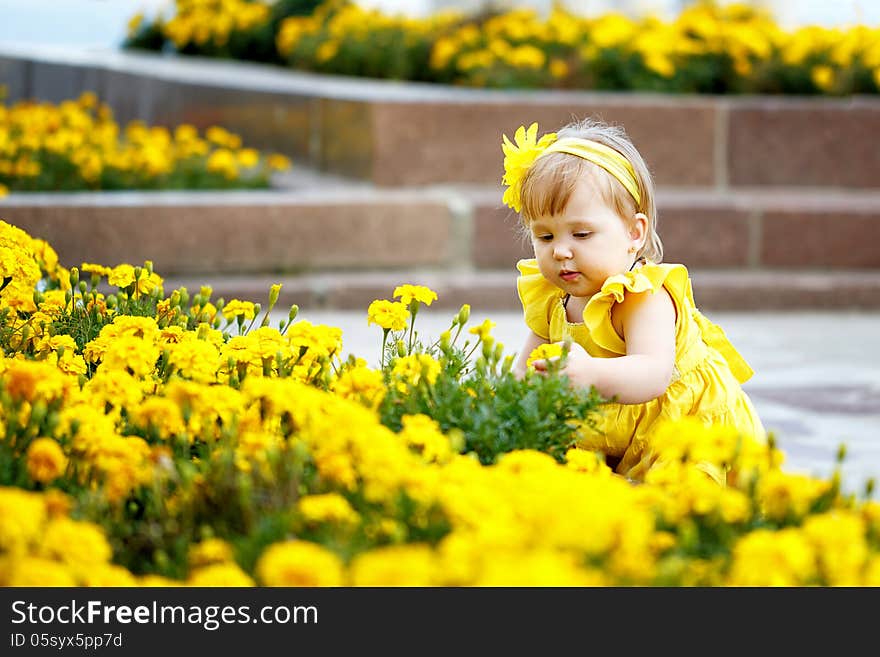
22	515
157	413
422	435
784	495
413	369
4	190
30	380
219	574
121	276
149	282
420	293
278	162
134	23
839	540
36	571
391	315
107	574
156	580
248	157
327	508
222	161
130	354
361	384
238	308
518	158
18	262
210	551
75	542
57	503
773	558
397	565
45	460
541	567
484	329
545	351
195	359
823	77
583	460
299	563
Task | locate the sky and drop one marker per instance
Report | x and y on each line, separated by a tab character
102	23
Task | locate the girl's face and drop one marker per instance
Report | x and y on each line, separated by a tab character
580	248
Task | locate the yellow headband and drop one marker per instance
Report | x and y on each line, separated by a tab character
519	157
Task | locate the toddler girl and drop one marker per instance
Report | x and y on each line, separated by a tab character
586	200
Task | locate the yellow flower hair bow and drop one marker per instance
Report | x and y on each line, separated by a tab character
519	157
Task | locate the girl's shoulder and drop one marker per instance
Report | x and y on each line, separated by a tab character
599	313
650	277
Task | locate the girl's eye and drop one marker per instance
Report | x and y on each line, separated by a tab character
582	235
545	238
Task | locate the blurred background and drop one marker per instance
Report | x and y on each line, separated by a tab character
103	22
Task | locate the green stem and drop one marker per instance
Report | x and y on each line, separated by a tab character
382	353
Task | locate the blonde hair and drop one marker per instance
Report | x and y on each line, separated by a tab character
550	181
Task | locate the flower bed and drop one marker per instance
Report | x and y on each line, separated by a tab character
180	439
708	48
77	145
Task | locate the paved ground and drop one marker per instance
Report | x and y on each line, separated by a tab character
816	383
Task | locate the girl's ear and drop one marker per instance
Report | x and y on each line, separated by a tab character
639	229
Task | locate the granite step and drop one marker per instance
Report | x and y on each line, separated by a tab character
494	290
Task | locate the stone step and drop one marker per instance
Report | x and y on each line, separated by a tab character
396	133
313	223
495	290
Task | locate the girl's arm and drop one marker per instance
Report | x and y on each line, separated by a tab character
648	323
533	341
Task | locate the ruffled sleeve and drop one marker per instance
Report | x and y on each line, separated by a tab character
649	277
537	295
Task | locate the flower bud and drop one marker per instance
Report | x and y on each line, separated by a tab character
74	276
83	287
206	291
463	314
274	291
445	340
148	265
38	298
294	310
401	348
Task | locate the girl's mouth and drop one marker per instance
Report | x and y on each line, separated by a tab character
568	276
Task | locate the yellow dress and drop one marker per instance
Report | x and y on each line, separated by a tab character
706	378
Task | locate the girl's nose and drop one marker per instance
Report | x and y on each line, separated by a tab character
561	251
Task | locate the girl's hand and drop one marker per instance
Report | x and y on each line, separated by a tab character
578	366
